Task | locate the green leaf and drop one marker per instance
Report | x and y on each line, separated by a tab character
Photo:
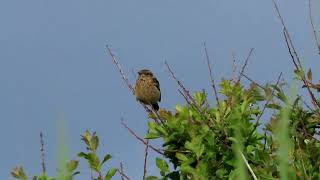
106	158
152	125
196	146
152	178
86	138
161	130
200	98
179	108
18	172
181	157
94	142
110	173
233	139
273	106
282	96
83	155
162	165
94	161
152	135
44	177
299	73
187	169
221	172
72	165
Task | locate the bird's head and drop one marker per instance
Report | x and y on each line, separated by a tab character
145	72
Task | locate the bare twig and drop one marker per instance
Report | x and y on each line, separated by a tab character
42	154
313	98
313	27
252	81
287	33
124	77
307	105
185	91
122	174
245	64
234	67
294	55
289	49
185	97
145	160
140	139
211	76
121	171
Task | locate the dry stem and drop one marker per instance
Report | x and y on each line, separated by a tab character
140	139
211	76
313	28
42	154
245	64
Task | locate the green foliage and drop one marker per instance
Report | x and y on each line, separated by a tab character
225	142
68	170
18	172
95	164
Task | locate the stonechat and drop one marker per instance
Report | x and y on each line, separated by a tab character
147	89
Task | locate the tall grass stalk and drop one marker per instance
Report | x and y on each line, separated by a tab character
282	135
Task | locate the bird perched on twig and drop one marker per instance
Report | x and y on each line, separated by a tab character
147	89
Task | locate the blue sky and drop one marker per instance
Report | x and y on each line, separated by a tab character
53	66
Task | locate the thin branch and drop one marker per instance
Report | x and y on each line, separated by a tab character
140	139
145	160
252	81
289	49
313	27
234	67
124	77
211	76
307	105
245	64
185	91
294	55
42	154
313	98
121	171
185	97
287	33
122	174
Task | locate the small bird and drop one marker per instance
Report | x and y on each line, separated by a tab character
147	89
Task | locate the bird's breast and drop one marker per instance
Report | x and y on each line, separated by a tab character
147	93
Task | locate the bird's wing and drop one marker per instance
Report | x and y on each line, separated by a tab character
157	84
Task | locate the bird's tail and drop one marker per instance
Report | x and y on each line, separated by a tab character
155	106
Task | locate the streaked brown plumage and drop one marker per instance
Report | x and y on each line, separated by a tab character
147	89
